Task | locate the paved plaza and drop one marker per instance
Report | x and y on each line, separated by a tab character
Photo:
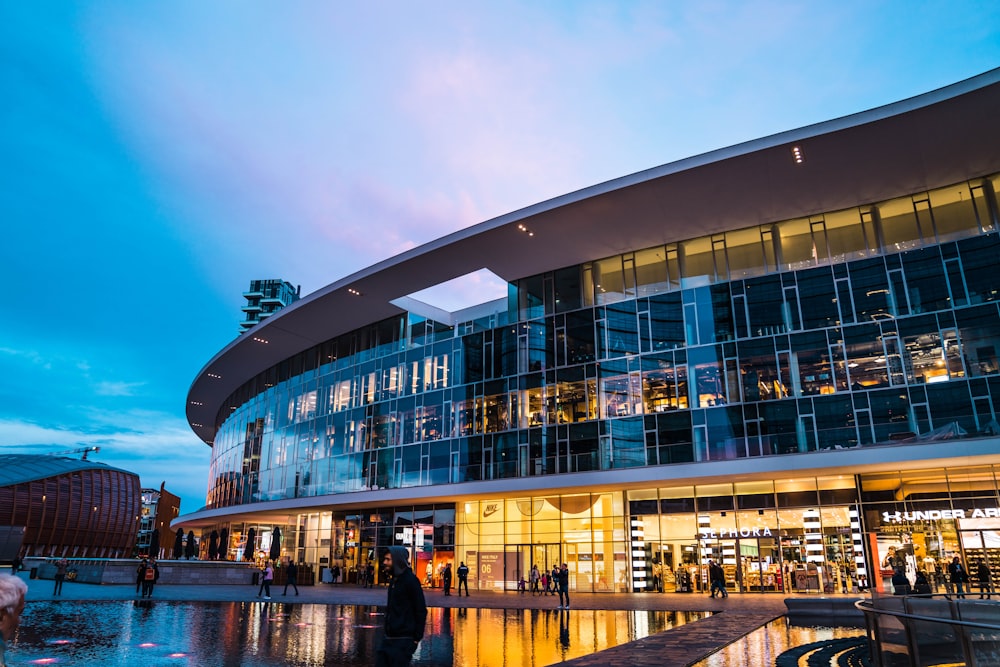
741	613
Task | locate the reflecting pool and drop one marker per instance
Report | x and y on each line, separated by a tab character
152	633
764	645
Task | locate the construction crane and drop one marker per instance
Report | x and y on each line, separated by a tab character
82	450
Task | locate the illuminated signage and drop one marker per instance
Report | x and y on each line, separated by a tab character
711	533
942	514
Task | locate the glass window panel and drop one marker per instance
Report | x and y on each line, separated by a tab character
796	242
899	224
765	306
677	492
845	235
666	322
609	280
745	253
979	331
866	357
835	422
818	298
890	413
698	264
568	292
926	285
811	370
651	271
870	288
795	485
759	371
954	213
745	488
976	480
979	266
703	490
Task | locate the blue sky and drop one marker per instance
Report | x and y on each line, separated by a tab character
156	157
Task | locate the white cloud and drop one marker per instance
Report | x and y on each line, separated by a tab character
108	388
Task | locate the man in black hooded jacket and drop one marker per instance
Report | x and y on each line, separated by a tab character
405	612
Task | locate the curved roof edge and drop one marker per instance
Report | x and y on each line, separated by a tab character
944	136
22	468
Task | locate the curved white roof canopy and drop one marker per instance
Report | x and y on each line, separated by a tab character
935	139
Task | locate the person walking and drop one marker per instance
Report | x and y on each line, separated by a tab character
717	577
545	581
140	571
983	575
534	578
405	611
267	576
370	574
959	577
61	566
463	579
446	579
563	583
554	579
149	578
291	577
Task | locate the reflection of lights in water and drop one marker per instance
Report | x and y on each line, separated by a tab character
319	632
61	641
43	661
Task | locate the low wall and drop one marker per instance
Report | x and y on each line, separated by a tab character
122	571
834	611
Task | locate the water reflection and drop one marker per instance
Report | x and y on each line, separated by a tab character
249	634
764	645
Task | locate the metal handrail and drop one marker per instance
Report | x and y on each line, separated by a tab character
961	630
860	605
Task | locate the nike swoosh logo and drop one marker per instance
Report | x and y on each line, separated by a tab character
490	511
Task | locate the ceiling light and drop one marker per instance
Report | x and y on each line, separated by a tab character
797	155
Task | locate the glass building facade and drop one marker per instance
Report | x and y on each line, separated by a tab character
856	329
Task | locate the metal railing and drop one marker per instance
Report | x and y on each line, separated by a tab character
932	630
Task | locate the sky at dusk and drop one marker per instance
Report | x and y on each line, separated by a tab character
157	156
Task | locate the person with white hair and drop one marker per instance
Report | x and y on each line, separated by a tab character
12	592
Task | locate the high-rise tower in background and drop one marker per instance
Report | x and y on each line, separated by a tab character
266	297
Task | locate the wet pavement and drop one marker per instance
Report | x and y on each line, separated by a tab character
731	619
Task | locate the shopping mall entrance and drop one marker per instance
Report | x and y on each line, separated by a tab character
751	565
518	559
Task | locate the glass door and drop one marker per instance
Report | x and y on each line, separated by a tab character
518	559
761	560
